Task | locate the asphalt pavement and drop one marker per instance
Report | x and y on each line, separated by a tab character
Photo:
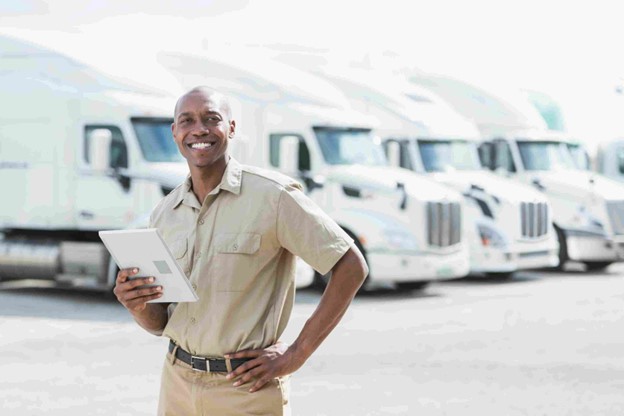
541	343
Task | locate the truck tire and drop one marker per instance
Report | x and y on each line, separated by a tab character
563	248
412	286
500	275
595	266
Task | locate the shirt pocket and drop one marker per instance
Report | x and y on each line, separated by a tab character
236	257
179	248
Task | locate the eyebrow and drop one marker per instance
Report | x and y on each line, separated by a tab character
188	113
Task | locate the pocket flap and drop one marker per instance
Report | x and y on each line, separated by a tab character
237	243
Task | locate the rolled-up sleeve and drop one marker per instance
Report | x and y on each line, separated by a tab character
305	230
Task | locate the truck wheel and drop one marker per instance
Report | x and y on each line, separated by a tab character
563	248
320	281
594	266
500	275
410	286
111	276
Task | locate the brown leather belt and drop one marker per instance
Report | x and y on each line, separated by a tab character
209	365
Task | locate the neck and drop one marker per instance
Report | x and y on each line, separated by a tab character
205	179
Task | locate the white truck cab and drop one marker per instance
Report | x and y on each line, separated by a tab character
588	208
79	152
506	224
407	226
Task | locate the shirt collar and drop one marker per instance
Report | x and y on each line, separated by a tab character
230	182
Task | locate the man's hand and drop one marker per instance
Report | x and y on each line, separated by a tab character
266	364
133	299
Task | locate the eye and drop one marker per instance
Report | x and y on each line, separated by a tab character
212	119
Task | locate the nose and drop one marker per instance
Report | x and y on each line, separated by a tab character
200	129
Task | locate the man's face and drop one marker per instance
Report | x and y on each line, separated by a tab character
201	129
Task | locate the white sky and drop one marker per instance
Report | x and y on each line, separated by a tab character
572	51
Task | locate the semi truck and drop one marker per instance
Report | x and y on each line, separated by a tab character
506	224
80	152
588	208
407	226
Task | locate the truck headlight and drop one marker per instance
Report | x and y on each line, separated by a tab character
400	239
490	237
584	219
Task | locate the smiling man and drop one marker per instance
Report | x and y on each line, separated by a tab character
235	230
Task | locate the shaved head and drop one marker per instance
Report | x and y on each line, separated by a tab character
219	99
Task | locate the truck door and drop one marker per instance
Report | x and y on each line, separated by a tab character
103	198
503	159
290	154
397	152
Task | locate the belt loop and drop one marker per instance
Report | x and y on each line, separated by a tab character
228	365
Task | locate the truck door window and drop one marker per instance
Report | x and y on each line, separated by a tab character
118	151
155	139
620	159
503	158
486	155
274	156
350	146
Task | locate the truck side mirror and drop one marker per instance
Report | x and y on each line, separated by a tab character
393	153
99	149
289	155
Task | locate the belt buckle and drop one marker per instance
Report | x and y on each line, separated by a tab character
196	359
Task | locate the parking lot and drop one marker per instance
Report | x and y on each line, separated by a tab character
542	343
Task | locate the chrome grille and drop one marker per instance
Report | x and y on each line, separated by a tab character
534	219
616	216
443	223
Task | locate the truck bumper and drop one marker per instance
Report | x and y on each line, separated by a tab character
593	247
415	267
520	256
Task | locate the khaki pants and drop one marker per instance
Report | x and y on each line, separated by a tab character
185	392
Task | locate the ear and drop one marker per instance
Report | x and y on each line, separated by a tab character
232	129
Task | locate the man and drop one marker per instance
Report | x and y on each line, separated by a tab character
235	230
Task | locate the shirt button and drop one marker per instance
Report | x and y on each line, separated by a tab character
201	222
194	286
192	320
235	247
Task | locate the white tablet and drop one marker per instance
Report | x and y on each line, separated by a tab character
146	250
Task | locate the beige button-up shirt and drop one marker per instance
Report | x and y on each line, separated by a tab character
238	250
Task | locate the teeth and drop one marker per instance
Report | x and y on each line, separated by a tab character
201	145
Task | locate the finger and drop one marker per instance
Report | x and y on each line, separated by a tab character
248	376
139	293
258	384
243	369
245	354
122	288
140	304
140	282
123	274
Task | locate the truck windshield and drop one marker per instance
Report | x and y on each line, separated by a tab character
448	155
155	139
579	156
350	147
545	155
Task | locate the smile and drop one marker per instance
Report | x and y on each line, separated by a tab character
200	146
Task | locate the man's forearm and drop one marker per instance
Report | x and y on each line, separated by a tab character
347	277
153	318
